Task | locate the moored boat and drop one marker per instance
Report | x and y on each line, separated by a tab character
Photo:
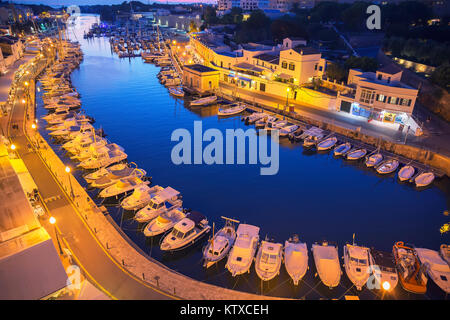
327	263
326	144
424	179
406	172
356	154
268	260
220	243
241	255
162	201
295	258
186	232
383	270
410	273
437	268
445	252
387	166
356	263
232	109
164	222
342	149
373	160
204	101
140	197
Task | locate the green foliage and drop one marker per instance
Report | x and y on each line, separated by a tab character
336	72
441	76
256	28
362	63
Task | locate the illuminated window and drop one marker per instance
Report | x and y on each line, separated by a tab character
284	65
367	96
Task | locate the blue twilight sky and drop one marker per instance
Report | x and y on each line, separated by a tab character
92	2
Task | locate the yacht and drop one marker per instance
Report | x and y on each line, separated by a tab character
342	149
373	160
326	144
437	268
140	197
356	263
410	273
286	131
424	179
232	110
162	201
388	166
164	222
220	243
295	258
241	255
82	142
261	123
186	232
204	101
406	173
102	172
113	175
383	270
268	260
104	157
94	148
356	154
327	263
252	118
122	186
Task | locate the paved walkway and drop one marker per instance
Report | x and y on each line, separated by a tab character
108	260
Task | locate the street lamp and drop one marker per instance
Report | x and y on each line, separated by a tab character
52	221
287	96
13	147
70	181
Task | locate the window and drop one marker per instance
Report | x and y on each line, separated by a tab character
405	102
291	66
284	65
393	100
381	97
380	76
315	66
320	68
367	96
262	87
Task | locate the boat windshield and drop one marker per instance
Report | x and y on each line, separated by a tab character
358	261
268	258
154	205
178	234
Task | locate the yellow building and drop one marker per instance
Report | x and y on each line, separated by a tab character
200	79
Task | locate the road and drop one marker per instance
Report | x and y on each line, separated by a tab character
100	268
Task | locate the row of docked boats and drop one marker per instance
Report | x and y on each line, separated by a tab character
314	137
406	264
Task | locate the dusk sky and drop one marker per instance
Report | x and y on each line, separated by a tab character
92	2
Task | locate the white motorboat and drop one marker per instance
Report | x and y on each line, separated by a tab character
285	131
83	142
276	125
256	116
176	91
232	110
437	268
261	123
327	263
204	101
162	201
268	260
241	255
388	166
445	252
373	160
140	197
103	158
326	144
122	186
356	263
186	232
424	179
406	173
93	149
311	140
164	222
102	172
220	243
383	270
295	258
342	149
356	154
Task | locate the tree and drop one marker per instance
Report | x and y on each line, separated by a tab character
192	27
441	76
209	15
336	72
362	63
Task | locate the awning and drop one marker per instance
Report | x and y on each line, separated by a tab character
248	66
239	77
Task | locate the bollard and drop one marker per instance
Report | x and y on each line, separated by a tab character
157	282
174	293
143	276
95	230
107	246
123	262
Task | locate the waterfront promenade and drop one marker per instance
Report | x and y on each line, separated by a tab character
108	260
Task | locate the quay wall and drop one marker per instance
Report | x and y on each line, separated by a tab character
427	157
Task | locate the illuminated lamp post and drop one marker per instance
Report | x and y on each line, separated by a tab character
70	182
52	221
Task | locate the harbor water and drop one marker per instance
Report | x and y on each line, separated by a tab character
314	195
